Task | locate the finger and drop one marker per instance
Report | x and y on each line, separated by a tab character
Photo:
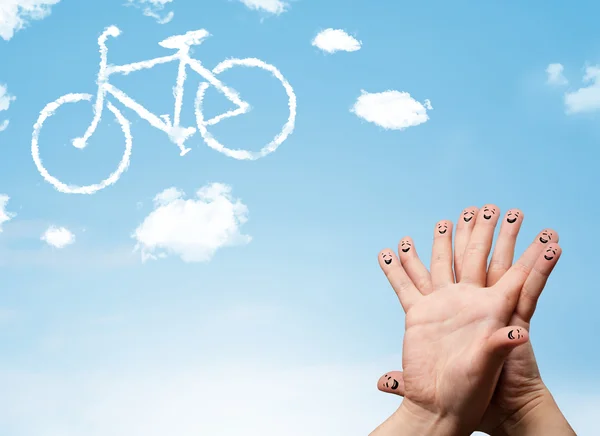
513	281
464	228
534	285
478	249
441	255
392	383
504	340
504	251
417	272
401	283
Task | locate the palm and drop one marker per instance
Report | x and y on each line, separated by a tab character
457	319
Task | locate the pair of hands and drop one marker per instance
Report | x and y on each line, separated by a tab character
468	363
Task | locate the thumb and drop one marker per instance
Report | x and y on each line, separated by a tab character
503	341
392	383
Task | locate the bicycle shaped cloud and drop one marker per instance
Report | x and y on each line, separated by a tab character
177	133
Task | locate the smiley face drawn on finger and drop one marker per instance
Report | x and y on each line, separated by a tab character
550	253
468	215
442	227
512	216
387	257
488	212
405	246
546	236
390	382
512	336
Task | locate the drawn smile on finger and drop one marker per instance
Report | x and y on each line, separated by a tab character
387	258
405	246
391	381
550	253
546	237
442	228
488	212
468	215
512	217
511	336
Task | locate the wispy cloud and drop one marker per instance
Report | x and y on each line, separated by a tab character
393	110
192	229
332	40
5	100
153	9
555	75
272	6
297	400
4	214
16	14
58	237
585	99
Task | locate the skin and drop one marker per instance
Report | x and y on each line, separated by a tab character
520	388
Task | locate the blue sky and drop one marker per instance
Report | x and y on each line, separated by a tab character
289	332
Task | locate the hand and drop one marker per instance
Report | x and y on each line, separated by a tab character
520	388
456	337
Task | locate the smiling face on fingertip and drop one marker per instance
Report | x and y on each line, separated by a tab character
468	214
550	253
512	216
547	236
387	257
389	382
405	245
442	227
488	212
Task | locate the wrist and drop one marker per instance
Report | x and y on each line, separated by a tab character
541	415
412	420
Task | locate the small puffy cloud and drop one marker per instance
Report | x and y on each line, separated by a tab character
4	214
272	6
58	237
585	99
393	110
16	14
193	229
153	8
5	101
555	75
332	40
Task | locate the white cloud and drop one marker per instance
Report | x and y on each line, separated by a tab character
16	14
5	101
555	75
391	109
192	229
152	8
271	6
585	99
332	40
58	237
4	214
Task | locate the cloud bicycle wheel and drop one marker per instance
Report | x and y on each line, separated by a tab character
49	111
